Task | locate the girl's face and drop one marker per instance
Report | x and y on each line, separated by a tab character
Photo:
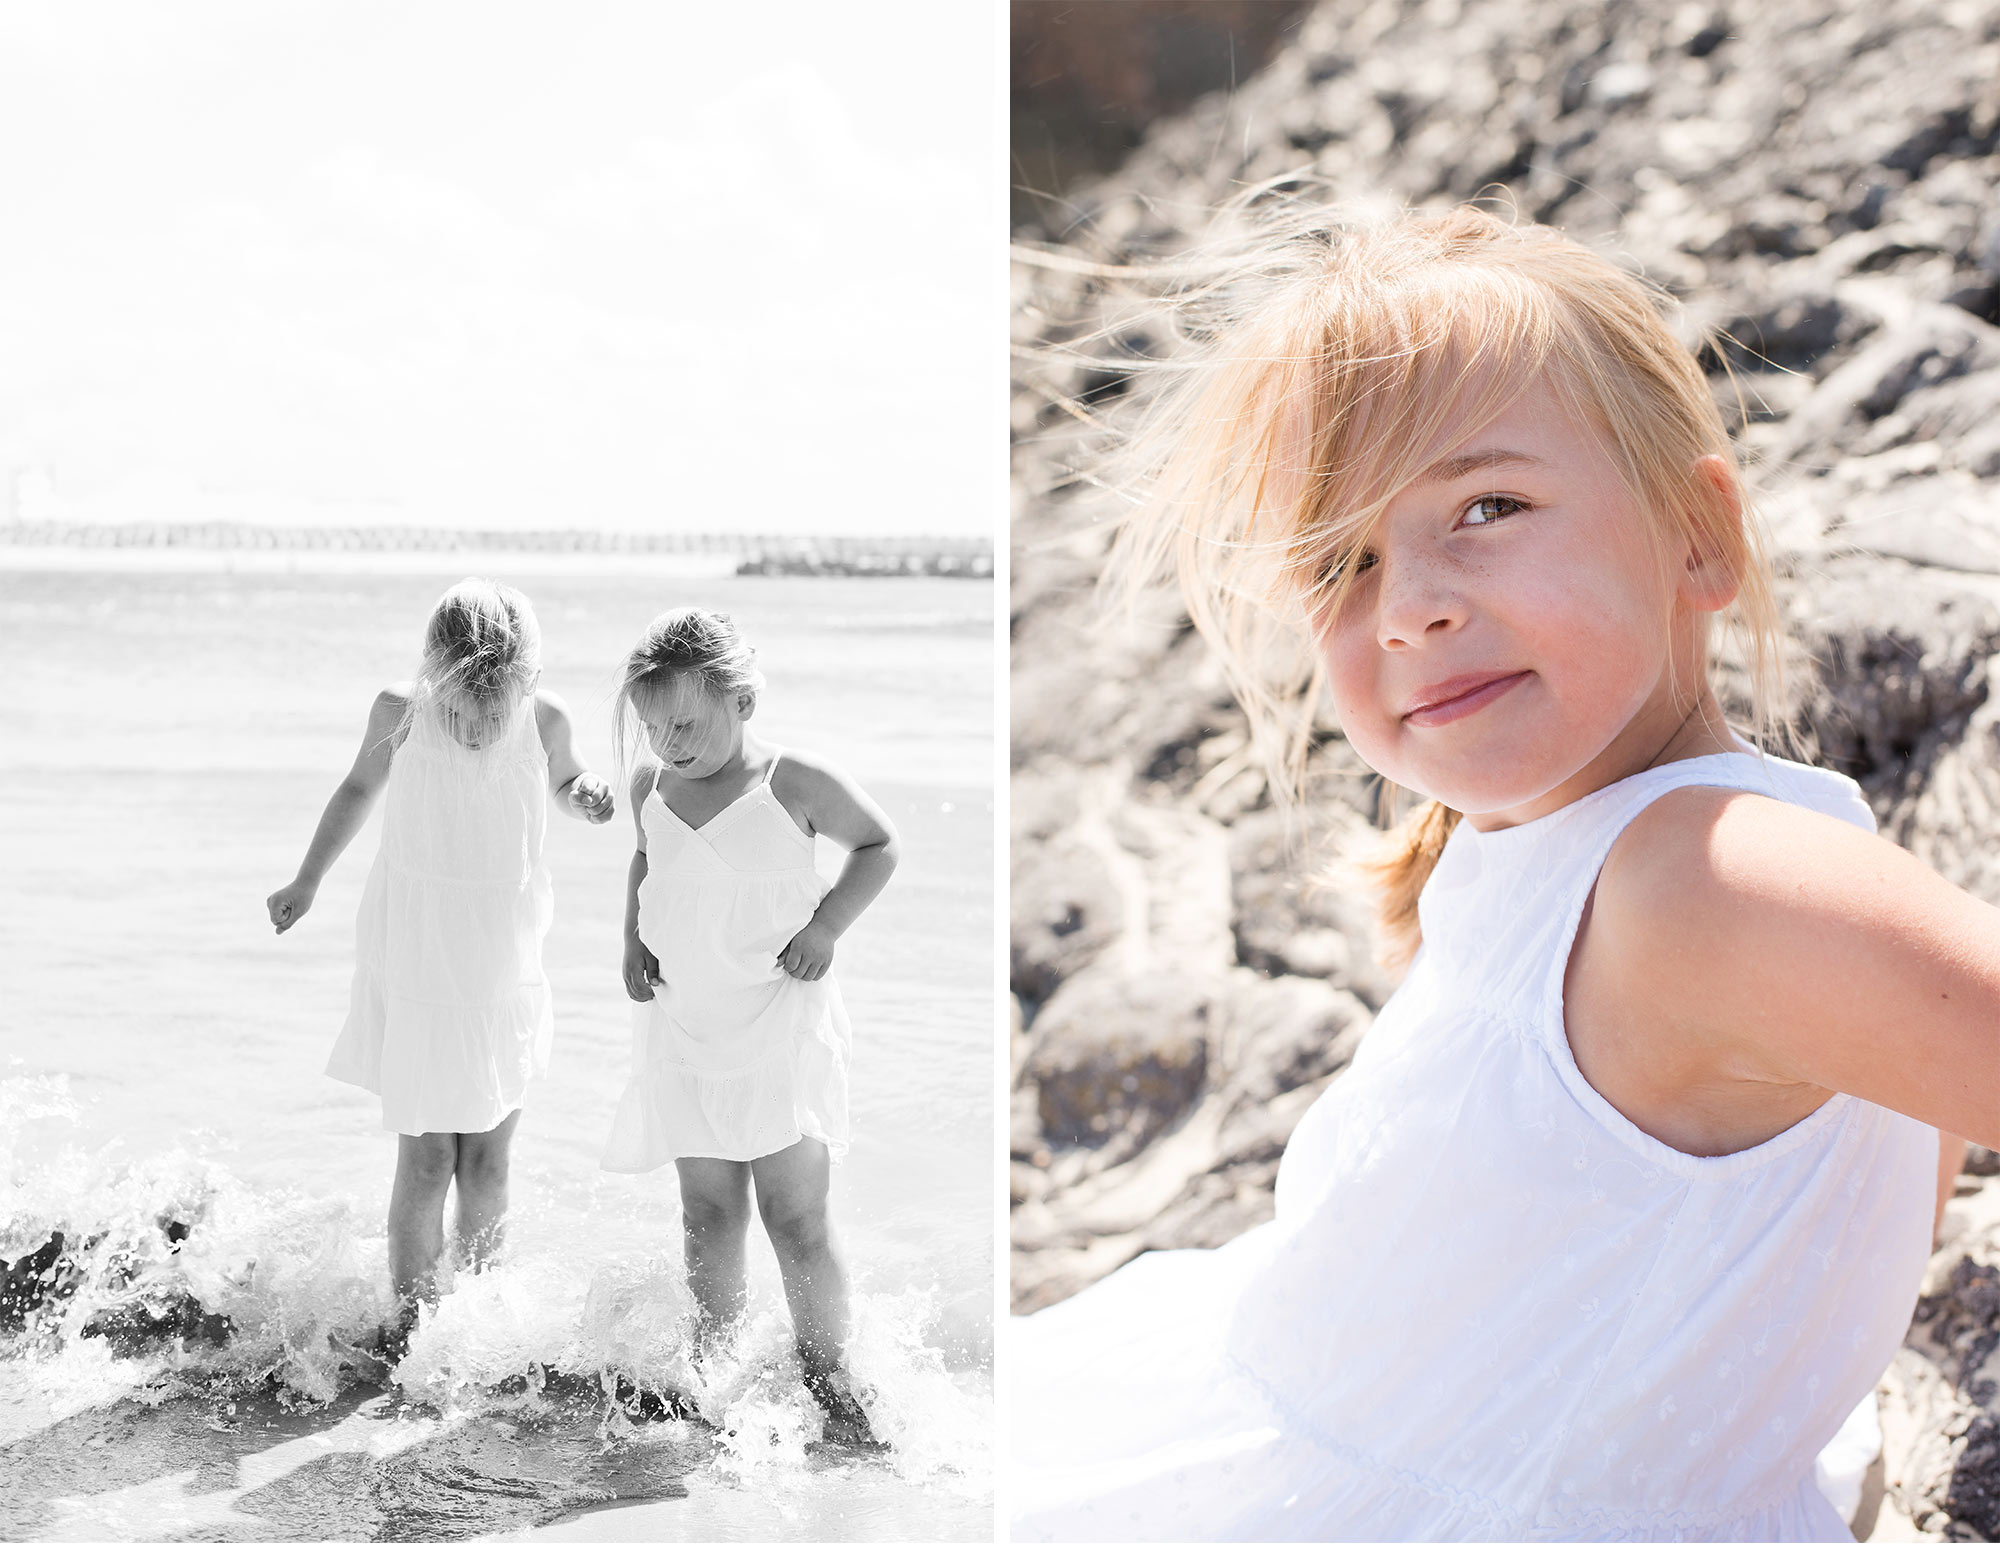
1511	641
693	732
473	722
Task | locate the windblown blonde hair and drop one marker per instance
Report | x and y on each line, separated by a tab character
482	643
1341	360
683	651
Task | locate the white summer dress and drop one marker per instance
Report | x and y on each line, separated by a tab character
732	1057
450	1015
1490	1307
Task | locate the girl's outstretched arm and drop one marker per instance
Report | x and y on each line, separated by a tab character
835	806
1799	952
581	793
641	969
348	808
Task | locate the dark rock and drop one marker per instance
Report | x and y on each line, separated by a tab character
32	1281
1118	1058
134	1326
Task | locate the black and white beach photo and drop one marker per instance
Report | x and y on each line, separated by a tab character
634	329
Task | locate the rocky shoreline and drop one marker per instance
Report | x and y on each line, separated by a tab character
1819	182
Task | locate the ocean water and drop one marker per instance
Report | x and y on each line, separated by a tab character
194	1363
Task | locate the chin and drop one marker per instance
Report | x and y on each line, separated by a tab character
1480	791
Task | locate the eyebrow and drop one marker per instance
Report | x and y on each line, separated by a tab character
1448	470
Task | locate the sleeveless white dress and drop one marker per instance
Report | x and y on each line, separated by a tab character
450	1015
732	1057
1490	1307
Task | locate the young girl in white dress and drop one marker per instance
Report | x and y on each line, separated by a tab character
1623	1204
740	1042
450	1017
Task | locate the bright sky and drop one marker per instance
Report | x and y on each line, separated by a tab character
491	263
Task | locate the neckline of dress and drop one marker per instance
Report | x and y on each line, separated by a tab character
1488	839
731	805
714	817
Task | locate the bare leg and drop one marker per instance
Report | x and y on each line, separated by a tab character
1951	1161
715	1223
424	1165
791	1199
482	1192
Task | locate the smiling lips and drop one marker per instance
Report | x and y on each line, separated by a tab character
1441	703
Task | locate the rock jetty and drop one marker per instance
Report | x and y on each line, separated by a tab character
750	553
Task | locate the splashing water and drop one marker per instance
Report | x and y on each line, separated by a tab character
182	1354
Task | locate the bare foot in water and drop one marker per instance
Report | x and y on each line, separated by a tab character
846	1421
392	1340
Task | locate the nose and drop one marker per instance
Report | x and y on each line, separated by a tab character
1417	596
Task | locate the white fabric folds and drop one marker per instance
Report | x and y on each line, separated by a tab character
1490	1307
450	1016
733	1057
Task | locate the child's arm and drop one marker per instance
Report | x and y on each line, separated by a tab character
835	806
642	968
581	793
347	810
1792	949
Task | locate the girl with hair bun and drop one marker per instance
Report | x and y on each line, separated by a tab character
1622	1206
450	1016
740	1041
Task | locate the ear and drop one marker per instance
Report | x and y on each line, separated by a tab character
746	704
1708	581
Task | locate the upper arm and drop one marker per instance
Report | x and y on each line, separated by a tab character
558	740
642	787
833	804
1799	948
370	770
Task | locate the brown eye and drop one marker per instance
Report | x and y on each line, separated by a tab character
1488	509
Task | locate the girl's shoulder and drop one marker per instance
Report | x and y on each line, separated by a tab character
1705	846
1785	944
797	772
828	801
389	715
551	712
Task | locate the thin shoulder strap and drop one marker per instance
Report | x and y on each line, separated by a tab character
772	768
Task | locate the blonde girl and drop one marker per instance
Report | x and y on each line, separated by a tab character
740	1041
1622	1207
450	1017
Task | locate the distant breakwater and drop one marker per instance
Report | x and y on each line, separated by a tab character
751	553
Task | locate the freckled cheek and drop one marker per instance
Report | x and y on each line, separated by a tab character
1352	682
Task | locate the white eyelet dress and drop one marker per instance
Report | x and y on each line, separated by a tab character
732	1057
1490	1307
450	1017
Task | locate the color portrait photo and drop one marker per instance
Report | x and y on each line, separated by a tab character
1503	576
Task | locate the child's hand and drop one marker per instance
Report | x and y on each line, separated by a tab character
809	954
289	904
642	970
589	797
